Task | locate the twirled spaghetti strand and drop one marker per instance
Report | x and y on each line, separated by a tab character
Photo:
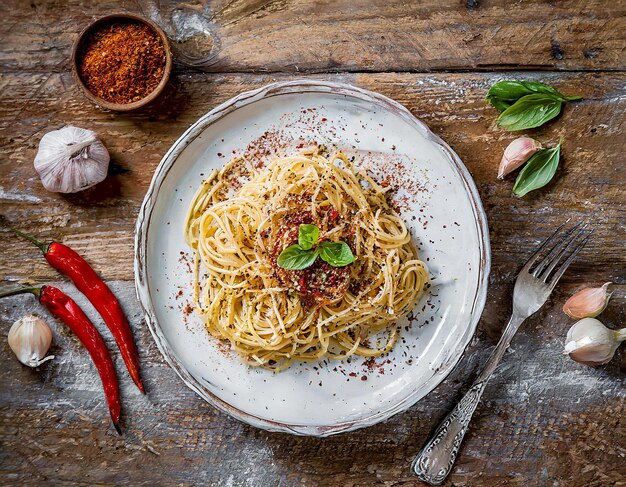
239	291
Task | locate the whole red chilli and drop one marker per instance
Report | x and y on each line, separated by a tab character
70	263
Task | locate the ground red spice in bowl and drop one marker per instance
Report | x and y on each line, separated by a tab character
122	62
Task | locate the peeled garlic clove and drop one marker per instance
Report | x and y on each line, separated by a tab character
587	303
516	154
589	342
30	338
71	159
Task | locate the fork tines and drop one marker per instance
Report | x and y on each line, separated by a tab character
563	250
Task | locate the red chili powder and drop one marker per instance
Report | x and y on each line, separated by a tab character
122	62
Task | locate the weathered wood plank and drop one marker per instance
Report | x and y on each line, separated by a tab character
300	36
541	409
100	222
544	421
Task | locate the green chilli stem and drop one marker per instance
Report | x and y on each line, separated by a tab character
42	246
23	290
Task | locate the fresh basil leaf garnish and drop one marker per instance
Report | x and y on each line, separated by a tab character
538	171
296	258
337	254
302	255
529	112
308	235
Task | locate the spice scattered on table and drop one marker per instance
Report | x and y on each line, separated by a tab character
122	62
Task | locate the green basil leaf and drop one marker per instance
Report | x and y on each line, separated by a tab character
543	88
337	254
571	98
296	258
500	105
307	236
508	90
514	90
503	94
538	171
530	111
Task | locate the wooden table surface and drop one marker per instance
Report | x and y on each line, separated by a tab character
544	420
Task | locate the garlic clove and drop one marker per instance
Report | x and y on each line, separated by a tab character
71	159
589	342
587	303
30	338
516	154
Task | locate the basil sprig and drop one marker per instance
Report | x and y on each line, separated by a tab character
526	104
538	171
530	111
296	258
337	254
511	91
302	255
307	236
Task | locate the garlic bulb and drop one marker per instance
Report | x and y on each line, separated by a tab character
587	303
71	159
30	338
591	343
516	154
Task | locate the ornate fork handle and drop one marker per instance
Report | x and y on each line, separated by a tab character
436	458
532	288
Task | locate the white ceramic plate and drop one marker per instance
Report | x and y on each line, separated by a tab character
437	199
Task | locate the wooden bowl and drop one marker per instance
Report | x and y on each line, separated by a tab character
122	107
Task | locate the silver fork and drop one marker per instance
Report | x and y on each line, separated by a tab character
533	286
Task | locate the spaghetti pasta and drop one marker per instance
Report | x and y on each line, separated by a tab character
272	316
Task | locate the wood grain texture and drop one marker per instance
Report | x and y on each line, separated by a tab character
302	36
544	420
541	408
99	222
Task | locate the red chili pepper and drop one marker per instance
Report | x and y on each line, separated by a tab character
70	263
65	308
